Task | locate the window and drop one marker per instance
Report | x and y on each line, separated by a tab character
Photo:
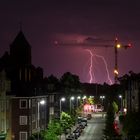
33	117
33	102
2	125
23	120
23	104
7	105
2	106
23	136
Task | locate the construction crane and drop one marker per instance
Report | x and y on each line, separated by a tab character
116	47
89	42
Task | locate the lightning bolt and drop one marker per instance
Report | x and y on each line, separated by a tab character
106	67
92	76
91	67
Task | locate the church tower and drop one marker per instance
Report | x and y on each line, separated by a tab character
20	51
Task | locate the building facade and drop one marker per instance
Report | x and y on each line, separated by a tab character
28	116
21	113
5	106
131	85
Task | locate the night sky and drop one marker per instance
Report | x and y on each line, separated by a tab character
61	34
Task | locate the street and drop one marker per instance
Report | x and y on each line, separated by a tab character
94	130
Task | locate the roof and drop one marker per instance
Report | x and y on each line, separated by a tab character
20	40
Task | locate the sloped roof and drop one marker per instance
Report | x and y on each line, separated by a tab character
20	40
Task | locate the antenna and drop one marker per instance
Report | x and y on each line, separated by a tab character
20	26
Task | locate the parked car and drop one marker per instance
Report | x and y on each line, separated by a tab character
79	119
89	116
76	133
81	126
70	137
79	129
84	120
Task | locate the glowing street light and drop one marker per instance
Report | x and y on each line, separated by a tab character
120	96
84	97
102	98
61	100
39	102
78	98
71	99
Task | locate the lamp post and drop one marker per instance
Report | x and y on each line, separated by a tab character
61	100
120	96
78	98
84	97
71	99
39	102
102	98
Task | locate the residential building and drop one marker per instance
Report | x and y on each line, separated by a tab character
29	116
131	85
21	84
5	110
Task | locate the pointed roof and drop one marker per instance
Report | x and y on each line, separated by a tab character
20	40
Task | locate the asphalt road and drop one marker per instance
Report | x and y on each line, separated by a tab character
94	130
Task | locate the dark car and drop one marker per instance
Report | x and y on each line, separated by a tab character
71	137
77	133
89	116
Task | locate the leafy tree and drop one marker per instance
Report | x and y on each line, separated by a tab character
55	127
49	135
109	128
66	121
70	82
51	84
115	106
131	125
79	110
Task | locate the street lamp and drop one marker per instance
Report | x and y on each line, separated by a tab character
120	96
102	98
39	102
71	98
78	98
61	100
84	97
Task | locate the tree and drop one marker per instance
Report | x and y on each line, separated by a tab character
70	83
109	128
131	125
54	129
115	106
51	84
66	121
49	135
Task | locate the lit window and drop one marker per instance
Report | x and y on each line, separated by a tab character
23	120
23	136
23	104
